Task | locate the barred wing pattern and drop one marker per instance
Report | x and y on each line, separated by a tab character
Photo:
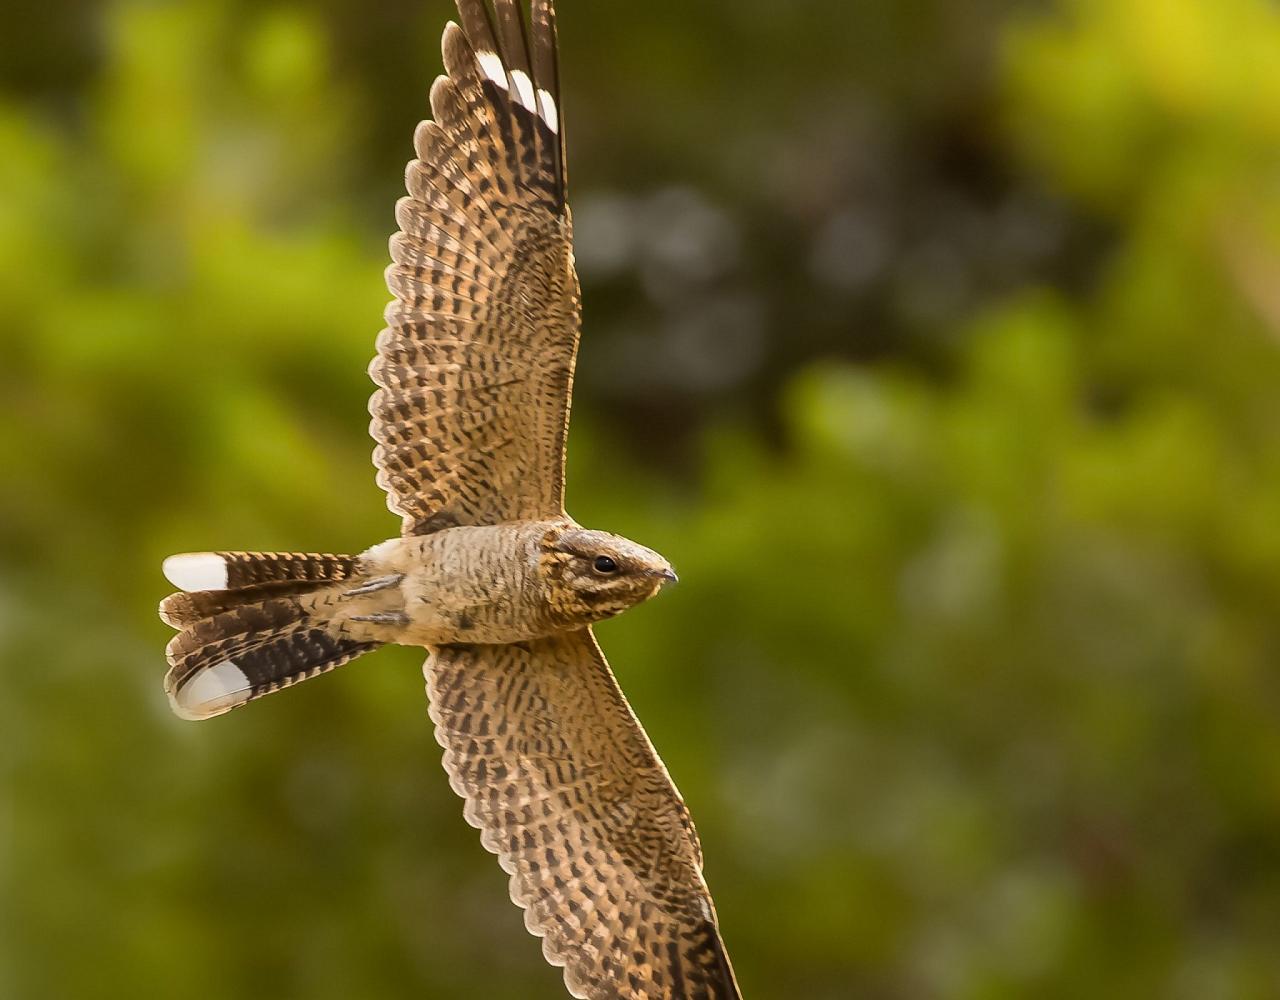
475	366
568	791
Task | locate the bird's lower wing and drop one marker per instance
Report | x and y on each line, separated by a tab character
567	790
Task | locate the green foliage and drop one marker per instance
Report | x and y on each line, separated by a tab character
971	679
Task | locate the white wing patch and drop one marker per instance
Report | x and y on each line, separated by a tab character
540	104
547	103
524	89
492	67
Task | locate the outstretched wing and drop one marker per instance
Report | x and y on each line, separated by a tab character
568	791
475	366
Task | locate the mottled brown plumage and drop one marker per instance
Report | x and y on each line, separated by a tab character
476	362
474	372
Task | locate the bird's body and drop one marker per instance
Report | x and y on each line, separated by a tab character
494	584
474	373
485	584
468	584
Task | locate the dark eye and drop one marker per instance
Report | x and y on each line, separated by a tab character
604	565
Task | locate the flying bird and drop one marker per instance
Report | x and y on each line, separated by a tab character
475	373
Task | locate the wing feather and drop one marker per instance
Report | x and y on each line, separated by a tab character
475	366
567	790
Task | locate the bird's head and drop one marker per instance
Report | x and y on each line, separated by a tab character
593	575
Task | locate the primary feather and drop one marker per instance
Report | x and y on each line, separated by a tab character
475	366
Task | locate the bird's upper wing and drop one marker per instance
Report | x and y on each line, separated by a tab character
475	366
568	791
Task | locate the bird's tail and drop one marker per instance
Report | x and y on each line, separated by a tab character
250	623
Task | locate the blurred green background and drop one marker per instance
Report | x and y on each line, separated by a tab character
937	344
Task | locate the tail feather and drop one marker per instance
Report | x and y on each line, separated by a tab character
268	624
232	672
199	571
183	610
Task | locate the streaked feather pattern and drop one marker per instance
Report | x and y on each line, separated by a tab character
475	365
568	791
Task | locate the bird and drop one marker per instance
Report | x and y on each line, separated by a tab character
474	374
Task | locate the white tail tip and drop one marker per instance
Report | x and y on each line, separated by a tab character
193	571
212	691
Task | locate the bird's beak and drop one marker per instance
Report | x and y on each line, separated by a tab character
667	575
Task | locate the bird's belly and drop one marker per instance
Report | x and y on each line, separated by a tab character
439	618
471	585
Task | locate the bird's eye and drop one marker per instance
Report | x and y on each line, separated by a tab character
604	565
